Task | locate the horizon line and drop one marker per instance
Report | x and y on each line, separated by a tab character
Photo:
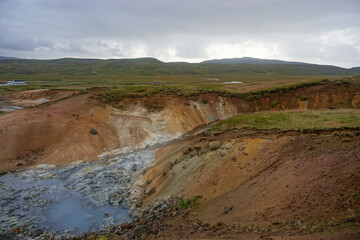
131	58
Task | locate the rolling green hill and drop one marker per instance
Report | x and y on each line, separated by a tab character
73	67
249	60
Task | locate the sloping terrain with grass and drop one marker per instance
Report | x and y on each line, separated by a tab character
72	69
294	120
269	183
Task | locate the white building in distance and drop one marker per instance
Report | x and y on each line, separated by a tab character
16	82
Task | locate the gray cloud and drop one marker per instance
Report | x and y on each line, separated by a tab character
323	31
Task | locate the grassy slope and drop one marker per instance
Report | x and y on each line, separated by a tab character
149	69
82	73
179	82
252	81
250	92
294	120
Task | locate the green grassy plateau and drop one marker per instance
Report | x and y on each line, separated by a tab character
294	120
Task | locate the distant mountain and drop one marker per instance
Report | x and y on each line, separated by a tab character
248	60
356	69
58	68
2	57
92	60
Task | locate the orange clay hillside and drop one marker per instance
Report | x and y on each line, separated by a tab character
281	163
58	132
278	178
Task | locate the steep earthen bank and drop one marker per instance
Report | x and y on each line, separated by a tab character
60	133
255	184
34	97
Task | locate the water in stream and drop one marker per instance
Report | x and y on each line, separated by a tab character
75	198
9	108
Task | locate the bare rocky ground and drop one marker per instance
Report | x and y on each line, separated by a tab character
263	184
246	184
235	184
59	132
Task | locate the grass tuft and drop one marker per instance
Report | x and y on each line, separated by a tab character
190	202
303	98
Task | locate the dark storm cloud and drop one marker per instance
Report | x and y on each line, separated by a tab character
323	31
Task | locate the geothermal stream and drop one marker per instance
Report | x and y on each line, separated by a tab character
9	108
82	197
72	199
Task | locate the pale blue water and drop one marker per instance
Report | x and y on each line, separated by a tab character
73	198
72	214
9	108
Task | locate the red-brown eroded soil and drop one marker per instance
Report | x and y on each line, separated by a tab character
277	181
55	134
34	97
59	132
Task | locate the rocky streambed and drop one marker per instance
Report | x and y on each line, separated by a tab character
74	198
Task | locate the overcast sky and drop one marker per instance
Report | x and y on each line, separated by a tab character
316	31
